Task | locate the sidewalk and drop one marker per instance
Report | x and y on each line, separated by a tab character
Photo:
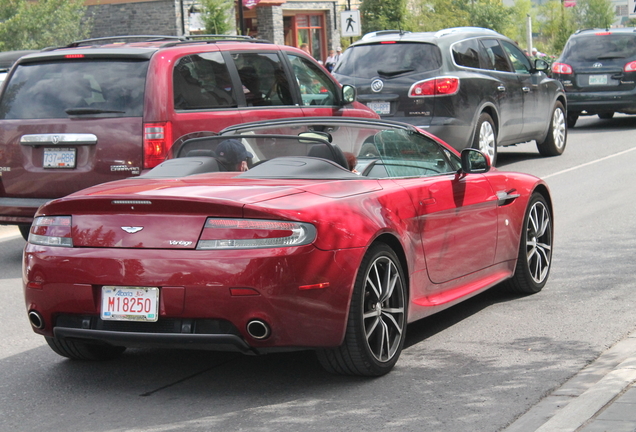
600	398
8	231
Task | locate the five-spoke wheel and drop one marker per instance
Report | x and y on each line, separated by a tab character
377	318
535	250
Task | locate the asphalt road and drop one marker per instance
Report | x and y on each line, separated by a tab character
474	367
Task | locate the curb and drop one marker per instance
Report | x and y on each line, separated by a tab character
584	396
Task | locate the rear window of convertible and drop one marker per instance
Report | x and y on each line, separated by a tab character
64	88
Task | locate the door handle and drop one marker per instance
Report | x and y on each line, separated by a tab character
501	88
525	89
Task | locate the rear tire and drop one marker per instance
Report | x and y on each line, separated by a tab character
556	139
25	230
535	249
485	137
78	350
572	118
376	327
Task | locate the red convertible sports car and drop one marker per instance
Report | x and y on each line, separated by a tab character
340	233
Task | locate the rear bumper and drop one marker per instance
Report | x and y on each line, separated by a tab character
599	102
197	295
456	133
19	211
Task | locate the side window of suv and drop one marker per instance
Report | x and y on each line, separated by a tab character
518	59
466	53
263	79
315	86
496	57
202	81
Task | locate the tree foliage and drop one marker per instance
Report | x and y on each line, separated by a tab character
490	14
217	16
382	15
35	25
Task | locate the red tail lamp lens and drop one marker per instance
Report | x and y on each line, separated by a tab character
441	86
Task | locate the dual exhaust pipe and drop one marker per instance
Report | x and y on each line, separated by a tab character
256	328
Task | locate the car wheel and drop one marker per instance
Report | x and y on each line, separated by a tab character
25	230
78	350
485	138
572	118
377	318
606	116
535	250
555	141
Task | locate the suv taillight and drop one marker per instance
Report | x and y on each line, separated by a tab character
157	139
562	68
440	86
630	67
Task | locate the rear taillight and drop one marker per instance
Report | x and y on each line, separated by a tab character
254	234
157	141
562	68
440	86
630	67
51	231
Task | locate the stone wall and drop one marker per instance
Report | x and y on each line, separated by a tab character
142	18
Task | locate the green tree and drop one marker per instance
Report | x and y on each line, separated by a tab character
594	13
490	14
382	15
35	25
433	15
217	16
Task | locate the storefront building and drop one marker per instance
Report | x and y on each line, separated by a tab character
285	22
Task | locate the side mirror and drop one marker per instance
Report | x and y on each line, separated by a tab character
541	65
348	94
475	161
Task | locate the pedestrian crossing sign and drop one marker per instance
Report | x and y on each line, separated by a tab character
350	23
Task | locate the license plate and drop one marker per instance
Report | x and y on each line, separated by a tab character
59	158
598	80
130	303
380	107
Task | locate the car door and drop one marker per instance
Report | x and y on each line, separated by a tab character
319	92
537	106
457	213
510	100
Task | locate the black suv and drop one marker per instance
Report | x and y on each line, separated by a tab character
471	87
598	71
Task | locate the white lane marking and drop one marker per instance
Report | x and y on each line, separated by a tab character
589	163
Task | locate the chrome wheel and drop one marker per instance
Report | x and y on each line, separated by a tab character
539	242
487	140
383	314
535	249
558	128
556	138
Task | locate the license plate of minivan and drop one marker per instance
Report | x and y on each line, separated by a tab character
59	158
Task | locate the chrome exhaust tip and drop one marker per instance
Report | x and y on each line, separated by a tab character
36	320
258	329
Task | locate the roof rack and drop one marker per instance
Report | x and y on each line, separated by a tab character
128	38
169	40
213	38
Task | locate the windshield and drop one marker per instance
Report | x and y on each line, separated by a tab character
599	47
378	151
394	59
73	88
